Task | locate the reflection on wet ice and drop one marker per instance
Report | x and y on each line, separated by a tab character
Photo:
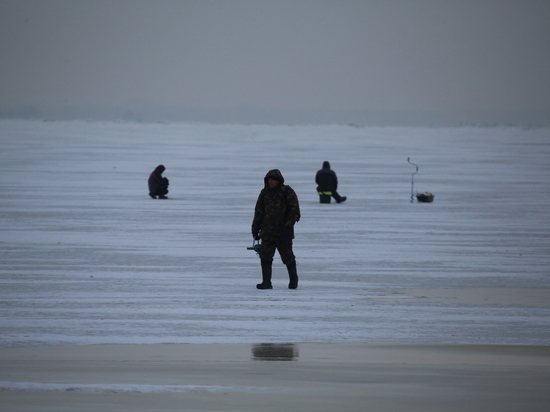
275	352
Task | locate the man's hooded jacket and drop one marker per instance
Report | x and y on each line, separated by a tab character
276	208
326	180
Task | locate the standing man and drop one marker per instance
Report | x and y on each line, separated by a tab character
277	210
327	183
158	185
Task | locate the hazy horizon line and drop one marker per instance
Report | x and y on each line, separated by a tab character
147	113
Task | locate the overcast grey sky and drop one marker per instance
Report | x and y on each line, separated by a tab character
341	61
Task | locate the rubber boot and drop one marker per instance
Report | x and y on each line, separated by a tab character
266	275
292	275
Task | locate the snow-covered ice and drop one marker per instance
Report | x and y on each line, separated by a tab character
87	257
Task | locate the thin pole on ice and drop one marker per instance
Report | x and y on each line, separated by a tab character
412	179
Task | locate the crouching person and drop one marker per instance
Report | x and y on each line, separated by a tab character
158	185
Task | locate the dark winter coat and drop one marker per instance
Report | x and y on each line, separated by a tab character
326	180
158	185
276	209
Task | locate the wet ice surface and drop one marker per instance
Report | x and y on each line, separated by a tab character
87	257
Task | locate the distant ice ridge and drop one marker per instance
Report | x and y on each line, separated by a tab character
114	388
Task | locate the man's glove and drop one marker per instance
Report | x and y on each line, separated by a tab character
256	235
286	233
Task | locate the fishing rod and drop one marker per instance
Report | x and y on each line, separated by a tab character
412	178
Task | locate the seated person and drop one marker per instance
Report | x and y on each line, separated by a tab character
158	185
328	184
